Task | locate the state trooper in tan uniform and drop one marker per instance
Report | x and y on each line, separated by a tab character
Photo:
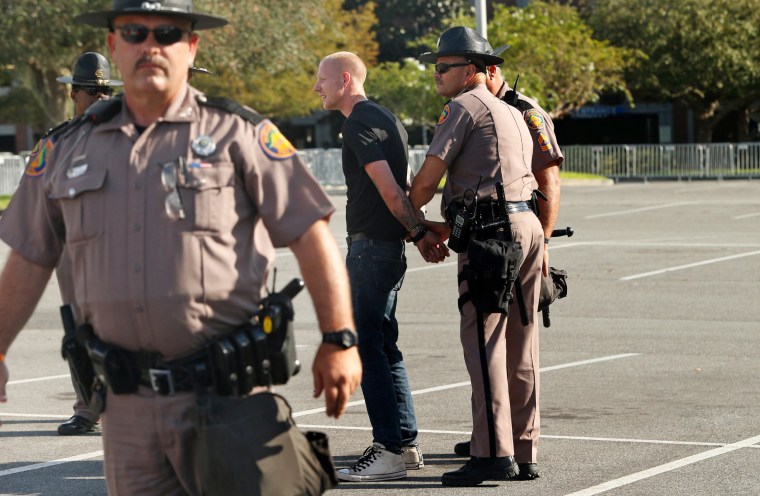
547	160
159	196
90	82
481	142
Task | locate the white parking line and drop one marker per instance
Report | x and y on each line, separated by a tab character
467	383
543	436
667	467
689	266
52	463
746	216
38	379
637	210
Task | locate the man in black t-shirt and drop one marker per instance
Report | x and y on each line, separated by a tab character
378	217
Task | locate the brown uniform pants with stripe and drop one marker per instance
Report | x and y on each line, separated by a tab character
505	376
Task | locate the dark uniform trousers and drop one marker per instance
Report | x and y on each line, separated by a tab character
511	351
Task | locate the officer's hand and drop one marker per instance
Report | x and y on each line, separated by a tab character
442	229
431	248
338	373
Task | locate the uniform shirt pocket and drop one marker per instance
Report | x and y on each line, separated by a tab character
82	201
210	196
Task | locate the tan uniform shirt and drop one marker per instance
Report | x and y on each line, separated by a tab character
142	279
545	147
483	140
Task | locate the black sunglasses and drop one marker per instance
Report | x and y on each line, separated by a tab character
164	34
92	90
443	68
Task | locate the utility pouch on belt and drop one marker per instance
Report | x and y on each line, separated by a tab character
490	273
251	446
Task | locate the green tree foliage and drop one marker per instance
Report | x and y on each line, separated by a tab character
703	54
408	89
268	56
402	22
40	42
561	64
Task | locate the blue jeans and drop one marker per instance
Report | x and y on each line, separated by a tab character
376	270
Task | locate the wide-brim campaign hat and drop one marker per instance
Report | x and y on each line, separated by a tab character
463	41
168	8
90	69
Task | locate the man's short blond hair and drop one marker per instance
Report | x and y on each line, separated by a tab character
350	63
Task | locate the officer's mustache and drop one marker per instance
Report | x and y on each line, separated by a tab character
153	60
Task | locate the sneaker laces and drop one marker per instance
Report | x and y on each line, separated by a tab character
369	456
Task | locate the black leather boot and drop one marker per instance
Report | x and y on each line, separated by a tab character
477	470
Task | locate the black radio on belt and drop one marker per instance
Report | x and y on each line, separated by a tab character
461	217
261	353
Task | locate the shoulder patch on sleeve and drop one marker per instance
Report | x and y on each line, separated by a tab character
543	142
274	144
533	119
444	114
38	158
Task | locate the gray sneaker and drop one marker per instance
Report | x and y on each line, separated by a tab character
412	457
376	464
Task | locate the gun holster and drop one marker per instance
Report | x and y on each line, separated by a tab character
88	388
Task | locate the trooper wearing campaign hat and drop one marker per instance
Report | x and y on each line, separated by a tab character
545	164
90	82
464	41
485	147
171	204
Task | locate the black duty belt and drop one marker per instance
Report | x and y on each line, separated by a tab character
169	377
489	211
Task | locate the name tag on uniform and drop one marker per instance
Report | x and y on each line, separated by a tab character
76	171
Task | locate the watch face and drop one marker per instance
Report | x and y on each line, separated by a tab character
344	338
348	338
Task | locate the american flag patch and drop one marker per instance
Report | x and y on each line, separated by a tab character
200	165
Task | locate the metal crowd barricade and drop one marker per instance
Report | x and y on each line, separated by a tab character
619	162
682	161
11	169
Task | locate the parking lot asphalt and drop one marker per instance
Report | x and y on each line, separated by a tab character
649	369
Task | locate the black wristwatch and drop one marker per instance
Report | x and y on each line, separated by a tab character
345	338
